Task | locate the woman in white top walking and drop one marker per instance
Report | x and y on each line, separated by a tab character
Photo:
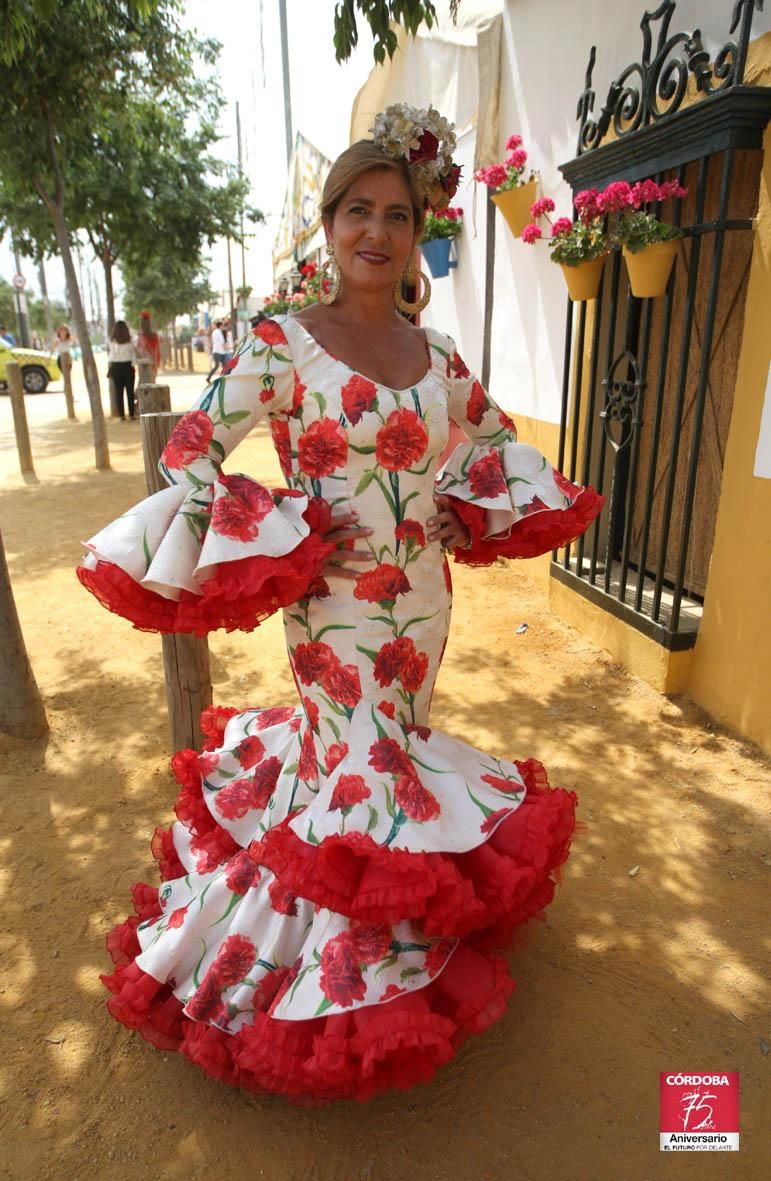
121	367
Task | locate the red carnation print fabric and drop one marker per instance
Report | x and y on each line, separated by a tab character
358	396
322	448
339	870
189	440
402	442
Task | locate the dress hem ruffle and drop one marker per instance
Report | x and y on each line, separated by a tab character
532	535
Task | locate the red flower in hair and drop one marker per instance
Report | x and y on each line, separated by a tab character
269	331
322	448
402	441
428	148
486	476
358	396
189	440
349	790
382	584
415	800
340	979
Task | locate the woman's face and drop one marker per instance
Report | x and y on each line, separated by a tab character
373	231
62	333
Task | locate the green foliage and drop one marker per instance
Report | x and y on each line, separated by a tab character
438	226
35	310
580	244
167	286
378	14
637	229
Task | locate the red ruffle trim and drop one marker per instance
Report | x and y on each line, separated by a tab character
486	892
240	595
535	534
354	1055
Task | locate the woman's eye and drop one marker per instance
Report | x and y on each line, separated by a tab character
400	216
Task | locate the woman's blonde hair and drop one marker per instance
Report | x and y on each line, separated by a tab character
363	157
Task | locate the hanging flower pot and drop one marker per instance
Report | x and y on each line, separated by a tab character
649	269
583	280
437	255
515	204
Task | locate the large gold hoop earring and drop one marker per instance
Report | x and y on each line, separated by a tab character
410	276
335	279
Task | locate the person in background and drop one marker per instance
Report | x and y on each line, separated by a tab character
7	336
121	367
148	345
62	342
218	349
36	342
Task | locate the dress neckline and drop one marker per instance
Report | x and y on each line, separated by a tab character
364	376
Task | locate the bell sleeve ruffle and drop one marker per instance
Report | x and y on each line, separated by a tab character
225	556
214	550
514	503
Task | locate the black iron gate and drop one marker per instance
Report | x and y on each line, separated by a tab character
648	384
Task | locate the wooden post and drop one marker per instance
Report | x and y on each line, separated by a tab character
145	370
22	713
113	398
16	390
65	360
190	355
185	658
153	399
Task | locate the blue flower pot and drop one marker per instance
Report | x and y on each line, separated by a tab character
437	255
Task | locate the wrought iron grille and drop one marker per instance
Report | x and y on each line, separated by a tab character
648	383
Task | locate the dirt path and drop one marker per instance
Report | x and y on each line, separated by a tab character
630	975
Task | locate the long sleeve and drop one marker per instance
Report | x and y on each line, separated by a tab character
515	504
214	550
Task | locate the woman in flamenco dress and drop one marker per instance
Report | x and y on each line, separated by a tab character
340	876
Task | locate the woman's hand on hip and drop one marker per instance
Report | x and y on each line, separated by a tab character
446	526
344	532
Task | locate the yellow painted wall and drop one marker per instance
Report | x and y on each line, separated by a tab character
729	671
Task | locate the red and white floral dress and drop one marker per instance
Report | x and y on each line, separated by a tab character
340	874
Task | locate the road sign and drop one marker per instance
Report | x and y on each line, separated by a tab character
19	282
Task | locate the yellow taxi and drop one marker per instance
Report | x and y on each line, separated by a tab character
37	368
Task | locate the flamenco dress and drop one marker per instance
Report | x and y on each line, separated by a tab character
340	876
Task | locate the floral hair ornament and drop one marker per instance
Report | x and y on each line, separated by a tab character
144	315
426	141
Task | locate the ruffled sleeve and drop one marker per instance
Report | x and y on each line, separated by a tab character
215	550
515	504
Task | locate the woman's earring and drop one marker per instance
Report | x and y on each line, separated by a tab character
410	276
334	281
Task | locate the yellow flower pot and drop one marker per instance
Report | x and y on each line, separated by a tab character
649	269
584	280
515	204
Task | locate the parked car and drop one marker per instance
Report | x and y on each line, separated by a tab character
37	368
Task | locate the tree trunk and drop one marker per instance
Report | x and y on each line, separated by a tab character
107	264
21	708
101	449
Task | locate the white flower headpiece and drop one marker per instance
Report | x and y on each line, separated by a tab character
426	141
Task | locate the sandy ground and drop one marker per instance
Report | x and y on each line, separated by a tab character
632	974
